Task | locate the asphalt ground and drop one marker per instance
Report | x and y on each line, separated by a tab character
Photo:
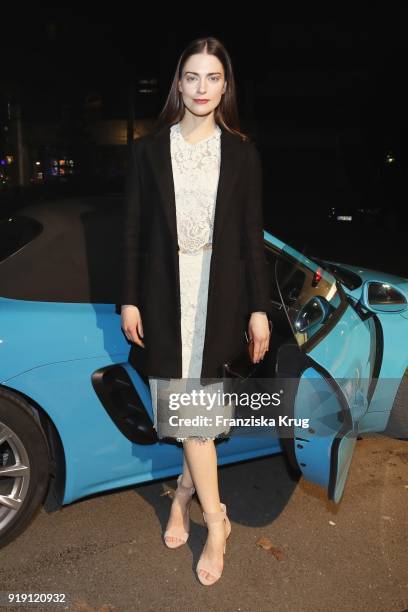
106	552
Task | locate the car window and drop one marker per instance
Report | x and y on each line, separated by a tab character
309	293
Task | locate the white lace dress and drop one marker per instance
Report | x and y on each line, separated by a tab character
195	173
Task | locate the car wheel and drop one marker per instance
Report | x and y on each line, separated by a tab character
397	426
24	465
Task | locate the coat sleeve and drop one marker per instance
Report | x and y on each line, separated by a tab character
258	282
131	232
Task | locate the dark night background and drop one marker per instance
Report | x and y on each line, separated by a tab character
323	96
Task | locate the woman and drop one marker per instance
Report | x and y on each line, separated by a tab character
194	269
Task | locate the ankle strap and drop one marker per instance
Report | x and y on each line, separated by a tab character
215	517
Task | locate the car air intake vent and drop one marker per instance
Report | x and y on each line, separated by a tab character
123	404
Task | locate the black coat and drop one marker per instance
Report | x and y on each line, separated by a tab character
238	282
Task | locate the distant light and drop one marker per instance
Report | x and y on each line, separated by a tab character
9	159
389	158
147	86
37	163
344	218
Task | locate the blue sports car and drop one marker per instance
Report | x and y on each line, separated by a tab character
75	415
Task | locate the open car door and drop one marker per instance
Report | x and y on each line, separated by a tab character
325	372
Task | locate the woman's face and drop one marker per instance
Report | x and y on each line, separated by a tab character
202	79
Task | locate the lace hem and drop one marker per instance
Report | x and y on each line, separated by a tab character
202	439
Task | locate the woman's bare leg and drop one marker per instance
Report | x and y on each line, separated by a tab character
186	480
178	506
201	460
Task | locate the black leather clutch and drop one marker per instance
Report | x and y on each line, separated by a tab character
241	366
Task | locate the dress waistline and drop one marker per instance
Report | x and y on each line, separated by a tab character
206	247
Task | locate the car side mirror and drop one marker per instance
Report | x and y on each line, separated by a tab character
380	296
313	313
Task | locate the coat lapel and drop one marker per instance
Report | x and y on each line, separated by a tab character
160	158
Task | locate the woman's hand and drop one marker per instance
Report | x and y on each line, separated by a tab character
132	324
258	331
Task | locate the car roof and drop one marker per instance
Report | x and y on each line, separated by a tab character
75	256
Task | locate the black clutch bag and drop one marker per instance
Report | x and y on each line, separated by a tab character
241	366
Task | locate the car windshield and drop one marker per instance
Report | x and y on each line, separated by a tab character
309	293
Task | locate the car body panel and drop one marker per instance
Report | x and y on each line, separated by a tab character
325	454
395	349
347	357
41	333
98	456
337	382
395	337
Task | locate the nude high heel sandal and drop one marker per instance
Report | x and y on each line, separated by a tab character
179	534
207	566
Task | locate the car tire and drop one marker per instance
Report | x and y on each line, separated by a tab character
397	426
22	441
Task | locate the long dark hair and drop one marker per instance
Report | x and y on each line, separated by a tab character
226	113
